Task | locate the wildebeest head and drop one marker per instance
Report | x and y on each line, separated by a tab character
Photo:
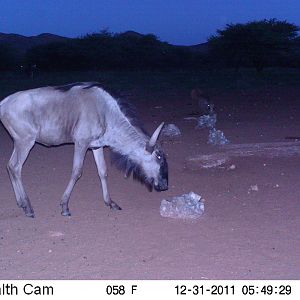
149	166
156	166
204	103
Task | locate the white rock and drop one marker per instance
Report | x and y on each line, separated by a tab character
170	130
186	206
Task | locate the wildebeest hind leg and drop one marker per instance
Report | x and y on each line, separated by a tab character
102	171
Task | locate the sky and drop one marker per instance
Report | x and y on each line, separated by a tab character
179	22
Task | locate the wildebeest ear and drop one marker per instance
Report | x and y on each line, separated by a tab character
149	148
150	145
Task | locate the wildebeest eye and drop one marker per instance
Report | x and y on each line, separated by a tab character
158	155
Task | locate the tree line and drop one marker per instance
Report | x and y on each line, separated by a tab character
257	44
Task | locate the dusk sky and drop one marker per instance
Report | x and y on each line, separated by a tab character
180	22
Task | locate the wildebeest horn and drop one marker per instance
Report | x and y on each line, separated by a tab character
150	145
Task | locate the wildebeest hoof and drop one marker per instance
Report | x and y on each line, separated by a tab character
30	215
66	213
28	212
65	210
114	206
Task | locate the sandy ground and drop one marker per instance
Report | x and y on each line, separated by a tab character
244	233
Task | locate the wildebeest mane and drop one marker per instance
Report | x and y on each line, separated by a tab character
67	87
129	110
126	165
123	162
84	85
126	107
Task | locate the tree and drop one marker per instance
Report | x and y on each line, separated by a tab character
105	50
258	43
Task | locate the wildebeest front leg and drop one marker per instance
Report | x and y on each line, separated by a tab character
14	168
79	154
102	171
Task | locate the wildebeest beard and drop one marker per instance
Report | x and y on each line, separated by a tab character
128	166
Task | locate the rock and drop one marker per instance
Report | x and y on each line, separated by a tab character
170	130
207	121
186	206
207	161
217	137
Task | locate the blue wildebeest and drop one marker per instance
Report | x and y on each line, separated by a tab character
89	117
204	103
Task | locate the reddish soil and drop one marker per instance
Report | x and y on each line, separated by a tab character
243	234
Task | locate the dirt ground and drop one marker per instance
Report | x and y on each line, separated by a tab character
244	233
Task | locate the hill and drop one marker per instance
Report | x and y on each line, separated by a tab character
23	43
